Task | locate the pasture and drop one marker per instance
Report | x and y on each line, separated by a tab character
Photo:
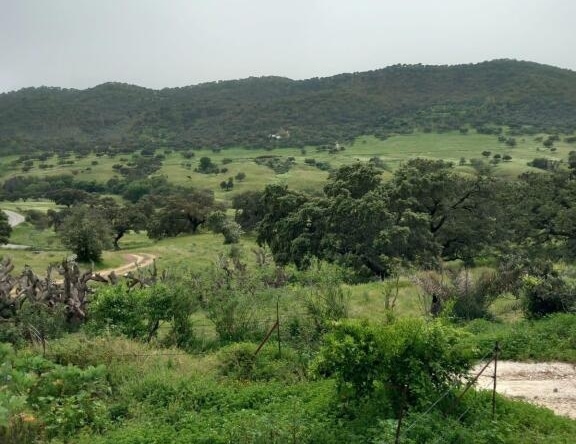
199	251
214	388
303	175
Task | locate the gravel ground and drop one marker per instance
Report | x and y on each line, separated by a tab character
548	384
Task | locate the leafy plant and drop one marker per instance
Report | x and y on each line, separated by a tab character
546	292
409	362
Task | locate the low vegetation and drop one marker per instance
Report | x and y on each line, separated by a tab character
322	286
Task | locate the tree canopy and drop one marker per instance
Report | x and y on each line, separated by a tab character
426	212
276	112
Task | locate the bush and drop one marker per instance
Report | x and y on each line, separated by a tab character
239	361
409	362
547	292
137	313
550	338
218	222
120	311
86	234
69	399
58	402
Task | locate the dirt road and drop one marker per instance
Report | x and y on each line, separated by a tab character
133	261
550	384
14	218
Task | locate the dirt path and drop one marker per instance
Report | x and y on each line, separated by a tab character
550	384
134	261
14	218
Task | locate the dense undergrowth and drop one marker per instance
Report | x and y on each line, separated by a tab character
177	359
112	390
550	339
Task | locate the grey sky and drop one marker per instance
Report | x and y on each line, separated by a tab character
166	43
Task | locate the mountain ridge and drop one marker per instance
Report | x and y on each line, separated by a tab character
319	110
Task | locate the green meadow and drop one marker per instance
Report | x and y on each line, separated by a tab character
453	146
190	382
200	250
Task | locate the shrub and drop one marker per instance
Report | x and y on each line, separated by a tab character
137	313
218	222
58	402
409	362
240	361
69	398
547	292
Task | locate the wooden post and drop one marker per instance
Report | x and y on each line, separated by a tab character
278	326
266	338
496	350
400	416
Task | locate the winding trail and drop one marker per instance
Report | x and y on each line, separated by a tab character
14	219
133	260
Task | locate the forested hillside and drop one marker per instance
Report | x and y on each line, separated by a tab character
527	97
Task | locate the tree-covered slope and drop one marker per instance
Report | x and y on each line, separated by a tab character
523	95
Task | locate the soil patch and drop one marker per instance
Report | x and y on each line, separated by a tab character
548	384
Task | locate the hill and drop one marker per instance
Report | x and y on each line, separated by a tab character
525	96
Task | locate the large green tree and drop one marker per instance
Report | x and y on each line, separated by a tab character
182	212
350	225
122	218
5	228
248	209
86	233
542	212
460	208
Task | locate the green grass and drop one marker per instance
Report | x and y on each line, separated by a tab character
550	339
21	206
164	395
367	301
393	151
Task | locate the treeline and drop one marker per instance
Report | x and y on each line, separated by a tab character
273	111
427	211
93	222
426	214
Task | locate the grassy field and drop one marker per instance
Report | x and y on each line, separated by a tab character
166	394
200	251
393	151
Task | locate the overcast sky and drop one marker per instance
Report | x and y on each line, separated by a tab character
166	43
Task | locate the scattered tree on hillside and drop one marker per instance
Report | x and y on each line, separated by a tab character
180	213
298	228
543	210
206	166
218	222
121	219
70	196
249	210
5	228
459	209
426	210
227	185
86	233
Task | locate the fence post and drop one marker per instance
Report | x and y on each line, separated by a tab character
278	326
401	415
496	350
266	338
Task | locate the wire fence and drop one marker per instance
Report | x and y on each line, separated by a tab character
281	320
